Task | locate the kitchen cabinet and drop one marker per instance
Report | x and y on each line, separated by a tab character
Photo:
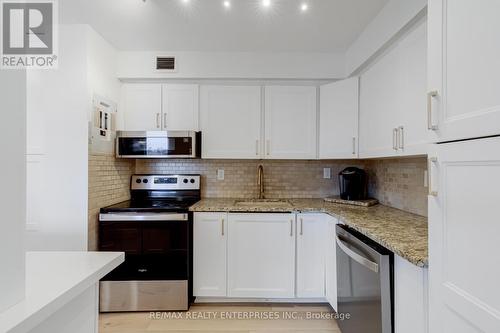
141	105
331	261
392	110
290	122
463	234
261	255
209	254
464	61
338	119
231	122
180	107
410	297
157	107
311	255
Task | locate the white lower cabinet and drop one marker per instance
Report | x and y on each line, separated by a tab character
209	254
331	261
410	297
261	255
311	255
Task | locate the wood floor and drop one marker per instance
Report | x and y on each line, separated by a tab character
226	318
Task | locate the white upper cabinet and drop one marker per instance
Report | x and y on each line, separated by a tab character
209	254
141	107
464	62
157	107
338	119
180	107
392	110
290	122
261	255
231	122
463	234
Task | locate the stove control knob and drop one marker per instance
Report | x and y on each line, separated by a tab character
185	181
192	181
138	181
145	180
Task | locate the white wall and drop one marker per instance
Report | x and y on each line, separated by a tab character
13	189
137	65
392	20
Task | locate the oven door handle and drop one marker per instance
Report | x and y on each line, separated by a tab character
143	217
356	257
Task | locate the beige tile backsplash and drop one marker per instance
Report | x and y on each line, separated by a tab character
395	182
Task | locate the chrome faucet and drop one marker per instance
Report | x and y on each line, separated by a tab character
260	181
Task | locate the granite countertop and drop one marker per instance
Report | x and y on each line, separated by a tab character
401	232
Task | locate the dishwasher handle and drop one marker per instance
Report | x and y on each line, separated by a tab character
357	257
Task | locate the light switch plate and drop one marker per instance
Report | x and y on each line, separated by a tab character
220	174
327	173
426	178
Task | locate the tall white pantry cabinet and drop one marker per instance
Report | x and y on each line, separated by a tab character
464	176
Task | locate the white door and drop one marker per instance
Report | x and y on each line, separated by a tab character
338	119
331	262
311	255
464	237
209	254
180	107
261	255
464	62
141	105
231	121
290	122
392	108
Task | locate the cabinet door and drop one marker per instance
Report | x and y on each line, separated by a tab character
290	123
311	255
180	107
338	119
464	236
141	105
331	262
209	254
410	297
392	108
261	255
463	71
231	122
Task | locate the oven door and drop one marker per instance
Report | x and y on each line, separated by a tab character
171	144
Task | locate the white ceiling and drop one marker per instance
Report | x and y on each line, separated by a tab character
206	26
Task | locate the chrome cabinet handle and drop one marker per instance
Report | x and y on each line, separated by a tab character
158	120
301	226
356	257
222	231
432	160
291	227
354	146
257	147
268	147
394	138
401	144
430	96
164	121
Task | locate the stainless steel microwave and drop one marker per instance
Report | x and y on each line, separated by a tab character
158	144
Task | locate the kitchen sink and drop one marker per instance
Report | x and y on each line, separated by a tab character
278	203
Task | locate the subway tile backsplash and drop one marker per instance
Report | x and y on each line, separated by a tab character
394	182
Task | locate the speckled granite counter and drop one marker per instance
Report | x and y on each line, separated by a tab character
403	233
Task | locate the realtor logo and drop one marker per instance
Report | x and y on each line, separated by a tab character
28	34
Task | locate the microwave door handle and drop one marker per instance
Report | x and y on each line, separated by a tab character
356	257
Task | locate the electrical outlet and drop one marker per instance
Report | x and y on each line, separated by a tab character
426	178
220	174
327	173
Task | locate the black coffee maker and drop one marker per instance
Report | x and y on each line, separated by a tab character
352	183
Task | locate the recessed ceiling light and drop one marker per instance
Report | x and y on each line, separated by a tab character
227	4
304	7
185	1
266	3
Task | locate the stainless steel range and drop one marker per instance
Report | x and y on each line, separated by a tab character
154	229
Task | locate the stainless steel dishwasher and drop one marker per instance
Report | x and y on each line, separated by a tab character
364	283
